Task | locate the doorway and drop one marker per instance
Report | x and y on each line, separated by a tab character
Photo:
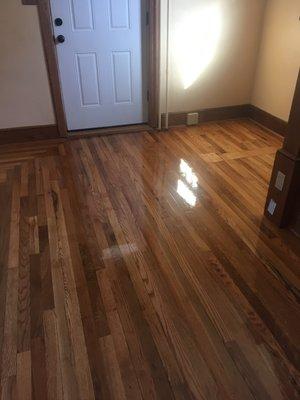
100	50
103	62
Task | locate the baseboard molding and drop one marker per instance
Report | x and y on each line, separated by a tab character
231	112
208	114
268	120
30	2
29	133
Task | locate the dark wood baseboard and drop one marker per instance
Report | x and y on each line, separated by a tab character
33	133
231	112
30	2
29	133
268	120
208	114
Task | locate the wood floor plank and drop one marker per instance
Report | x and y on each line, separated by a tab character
38	366
65	345
9	349
24	388
112	368
53	362
13	252
5	204
24	306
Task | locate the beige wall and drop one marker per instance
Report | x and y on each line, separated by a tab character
227	79
24	89
279	58
233	27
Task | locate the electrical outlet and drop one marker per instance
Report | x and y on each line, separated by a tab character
272	207
192	119
280	181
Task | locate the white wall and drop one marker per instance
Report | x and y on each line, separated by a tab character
233	27
279	58
24	89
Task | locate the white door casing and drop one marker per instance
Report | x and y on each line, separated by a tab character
101	62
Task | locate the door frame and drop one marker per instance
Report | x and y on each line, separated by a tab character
47	33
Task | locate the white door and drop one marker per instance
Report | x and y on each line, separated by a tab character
101	61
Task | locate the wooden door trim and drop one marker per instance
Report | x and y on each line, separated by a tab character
44	13
47	33
153	7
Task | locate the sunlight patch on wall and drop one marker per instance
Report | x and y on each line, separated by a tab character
196	40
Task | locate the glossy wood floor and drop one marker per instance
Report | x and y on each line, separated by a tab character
139	266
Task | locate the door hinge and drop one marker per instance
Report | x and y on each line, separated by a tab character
147	18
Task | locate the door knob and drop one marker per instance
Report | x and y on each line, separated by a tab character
60	39
58	22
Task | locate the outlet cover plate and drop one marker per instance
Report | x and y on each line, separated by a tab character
279	181
272	207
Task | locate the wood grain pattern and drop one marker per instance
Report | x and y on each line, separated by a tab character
140	266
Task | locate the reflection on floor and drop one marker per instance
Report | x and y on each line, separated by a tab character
140	266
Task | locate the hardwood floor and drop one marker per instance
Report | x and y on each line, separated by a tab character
140	266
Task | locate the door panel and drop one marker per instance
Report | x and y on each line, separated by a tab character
87	70
122	76
82	14
101	61
119	14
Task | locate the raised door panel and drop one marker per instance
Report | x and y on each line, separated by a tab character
119	14
122	76
82	14
88	82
